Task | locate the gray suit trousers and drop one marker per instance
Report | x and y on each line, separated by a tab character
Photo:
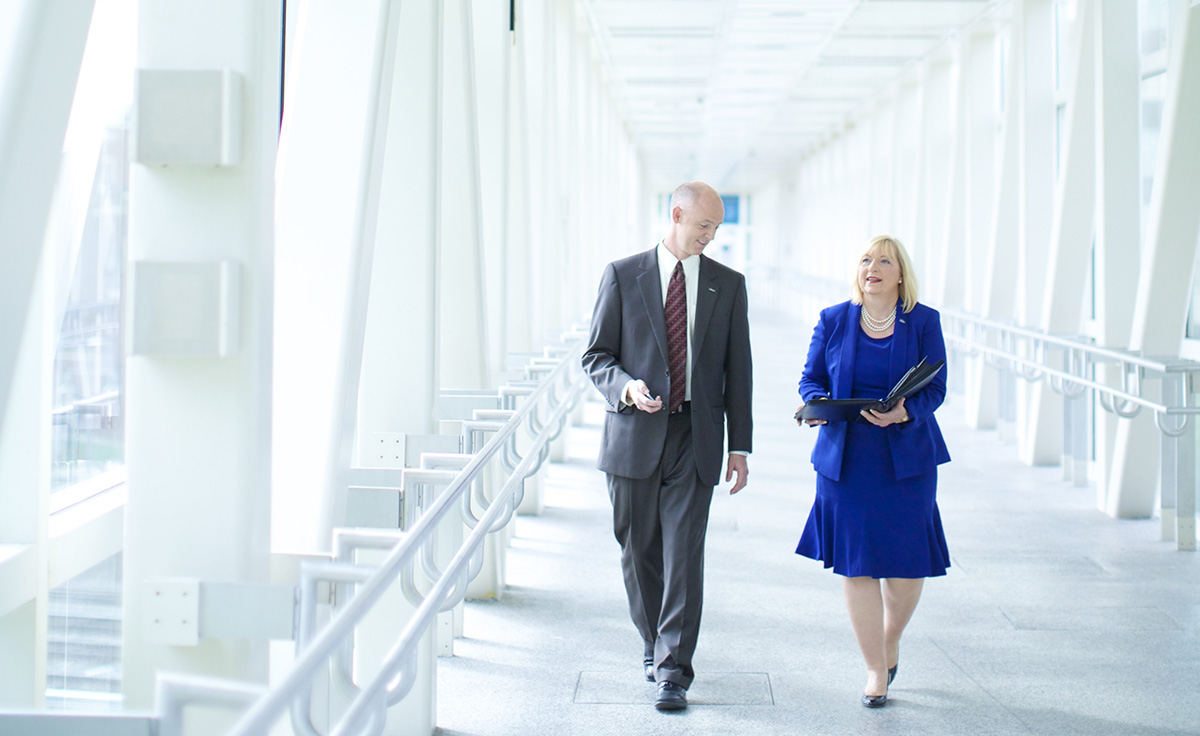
661	522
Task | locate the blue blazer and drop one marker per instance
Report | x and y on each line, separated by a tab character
917	445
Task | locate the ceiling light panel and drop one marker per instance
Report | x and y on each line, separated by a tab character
734	90
932	15
911	47
658	13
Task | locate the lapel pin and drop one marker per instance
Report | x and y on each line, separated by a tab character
712	290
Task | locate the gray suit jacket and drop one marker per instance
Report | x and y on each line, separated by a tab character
629	341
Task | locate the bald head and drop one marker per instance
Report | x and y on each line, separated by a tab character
696	213
692	193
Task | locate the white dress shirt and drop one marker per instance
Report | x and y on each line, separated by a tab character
691	281
691	287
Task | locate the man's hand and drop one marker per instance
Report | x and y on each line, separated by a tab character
737	464
640	397
897	415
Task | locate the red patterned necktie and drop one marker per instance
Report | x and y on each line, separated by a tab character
675	312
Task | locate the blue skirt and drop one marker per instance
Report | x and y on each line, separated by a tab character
869	524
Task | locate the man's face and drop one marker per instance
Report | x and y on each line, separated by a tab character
696	226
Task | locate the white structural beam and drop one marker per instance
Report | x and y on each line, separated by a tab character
198	436
1037	201
518	329
997	267
462	303
1118	209
493	52
978	134
1164	281
330	173
551	34
948	223
1066	261
35	101
24	496
399	368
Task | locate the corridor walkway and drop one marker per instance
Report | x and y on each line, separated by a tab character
1055	619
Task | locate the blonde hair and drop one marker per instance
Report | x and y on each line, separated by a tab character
892	248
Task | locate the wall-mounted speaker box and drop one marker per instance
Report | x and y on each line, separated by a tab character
187	117
186	310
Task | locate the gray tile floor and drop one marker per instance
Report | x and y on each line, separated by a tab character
1054	619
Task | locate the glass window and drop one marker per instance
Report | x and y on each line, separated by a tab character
1153	93
1064	19
83	641
1154	39
86	252
1153	28
1193	318
88	241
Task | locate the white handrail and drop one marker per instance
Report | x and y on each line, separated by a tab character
367	711
259	718
1134	366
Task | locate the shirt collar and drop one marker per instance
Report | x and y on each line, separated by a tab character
667	261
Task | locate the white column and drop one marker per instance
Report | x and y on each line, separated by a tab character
1173	222
25	493
1037	177
492	68
940	147
551	202
1035	59
44	45
998	266
949	223
909	172
198	437
518	272
879	171
462	304
536	36
326	170
44	53
1118	209
1067	260
979	130
399	370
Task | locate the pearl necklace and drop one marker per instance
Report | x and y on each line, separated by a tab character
878	325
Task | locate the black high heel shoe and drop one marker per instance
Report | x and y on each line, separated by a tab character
892	673
874	701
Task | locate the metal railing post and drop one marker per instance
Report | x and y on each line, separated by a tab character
1185	476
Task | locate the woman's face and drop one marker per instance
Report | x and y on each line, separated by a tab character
879	274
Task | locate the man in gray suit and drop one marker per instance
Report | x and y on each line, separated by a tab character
670	352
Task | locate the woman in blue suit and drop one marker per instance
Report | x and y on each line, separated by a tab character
875	518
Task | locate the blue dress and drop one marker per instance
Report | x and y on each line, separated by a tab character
868	523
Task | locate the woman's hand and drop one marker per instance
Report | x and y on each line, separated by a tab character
898	415
809	422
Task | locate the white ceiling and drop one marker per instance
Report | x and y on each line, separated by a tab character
734	91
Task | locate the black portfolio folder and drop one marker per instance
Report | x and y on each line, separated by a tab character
848	410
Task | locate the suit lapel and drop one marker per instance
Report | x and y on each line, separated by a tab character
898	363
706	298
845	376
651	288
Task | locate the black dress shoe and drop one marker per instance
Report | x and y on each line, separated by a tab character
874	701
892	673
649	668
671	696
